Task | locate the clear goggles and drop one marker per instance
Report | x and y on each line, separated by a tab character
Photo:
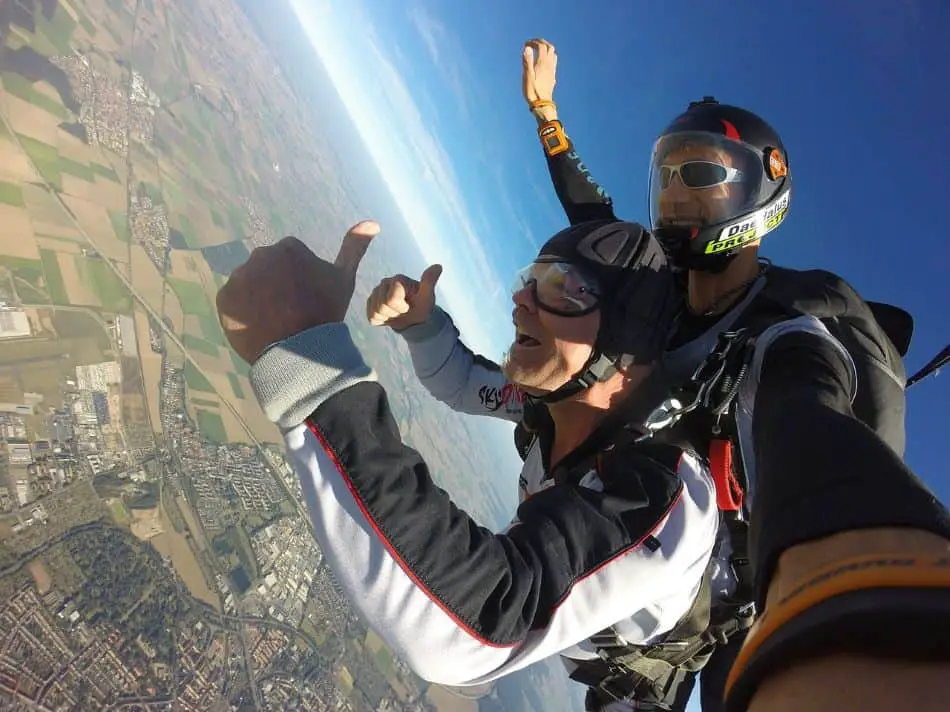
559	287
722	178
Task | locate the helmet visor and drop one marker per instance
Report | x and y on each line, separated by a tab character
699	178
559	287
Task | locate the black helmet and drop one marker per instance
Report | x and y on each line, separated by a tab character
639	296
735	153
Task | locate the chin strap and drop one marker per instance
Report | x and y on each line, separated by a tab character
599	367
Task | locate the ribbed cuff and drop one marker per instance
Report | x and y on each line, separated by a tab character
294	377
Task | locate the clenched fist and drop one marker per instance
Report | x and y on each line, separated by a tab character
400	301
539	74
284	289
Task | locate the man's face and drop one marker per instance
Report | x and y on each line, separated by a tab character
548	349
682	206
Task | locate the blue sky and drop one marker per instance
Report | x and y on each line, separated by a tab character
856	88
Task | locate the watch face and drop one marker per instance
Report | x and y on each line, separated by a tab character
552	141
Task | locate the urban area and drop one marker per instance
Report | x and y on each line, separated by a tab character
155	553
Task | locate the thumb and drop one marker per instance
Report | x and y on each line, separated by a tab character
429	279
355	244
527	59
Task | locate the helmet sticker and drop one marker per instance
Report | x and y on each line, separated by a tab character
777	167
750	228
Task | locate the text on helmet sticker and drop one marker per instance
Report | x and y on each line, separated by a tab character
750	228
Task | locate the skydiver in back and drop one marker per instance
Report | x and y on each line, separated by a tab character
824	366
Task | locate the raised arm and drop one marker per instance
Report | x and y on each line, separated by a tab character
582	198
460	604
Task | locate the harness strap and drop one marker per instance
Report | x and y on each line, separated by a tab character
729	493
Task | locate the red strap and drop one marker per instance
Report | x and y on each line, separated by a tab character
728	493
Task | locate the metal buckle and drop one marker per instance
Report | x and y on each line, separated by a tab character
699	390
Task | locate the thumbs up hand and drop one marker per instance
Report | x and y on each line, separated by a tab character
400	301
284	289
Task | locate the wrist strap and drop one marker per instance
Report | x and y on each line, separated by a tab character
539	103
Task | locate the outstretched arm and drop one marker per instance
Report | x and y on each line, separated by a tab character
581	196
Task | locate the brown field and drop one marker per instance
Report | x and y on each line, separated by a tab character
45	209
95	222
193	326
236	432
185	265
445	701
174	354
72	147
64	245
15	165
154	526
146	278
46	89
245	388
212	364
79	292
197	533
151	369
76	187
108	194
59	232
29	120
173	311
40	576
16	233
263	429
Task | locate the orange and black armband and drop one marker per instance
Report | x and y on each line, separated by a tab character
888	606
553	139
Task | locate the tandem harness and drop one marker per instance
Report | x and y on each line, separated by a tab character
627	671
623	670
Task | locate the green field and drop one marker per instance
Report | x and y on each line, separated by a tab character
151	191
183	223
195	380
109	288
240	365
211	426
120	223
105	171
11	194
196	344
54	278
31	295
45	158
119	512
59	30
192	297
236	385
19	86
77	325
74	168
211	329
236	216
